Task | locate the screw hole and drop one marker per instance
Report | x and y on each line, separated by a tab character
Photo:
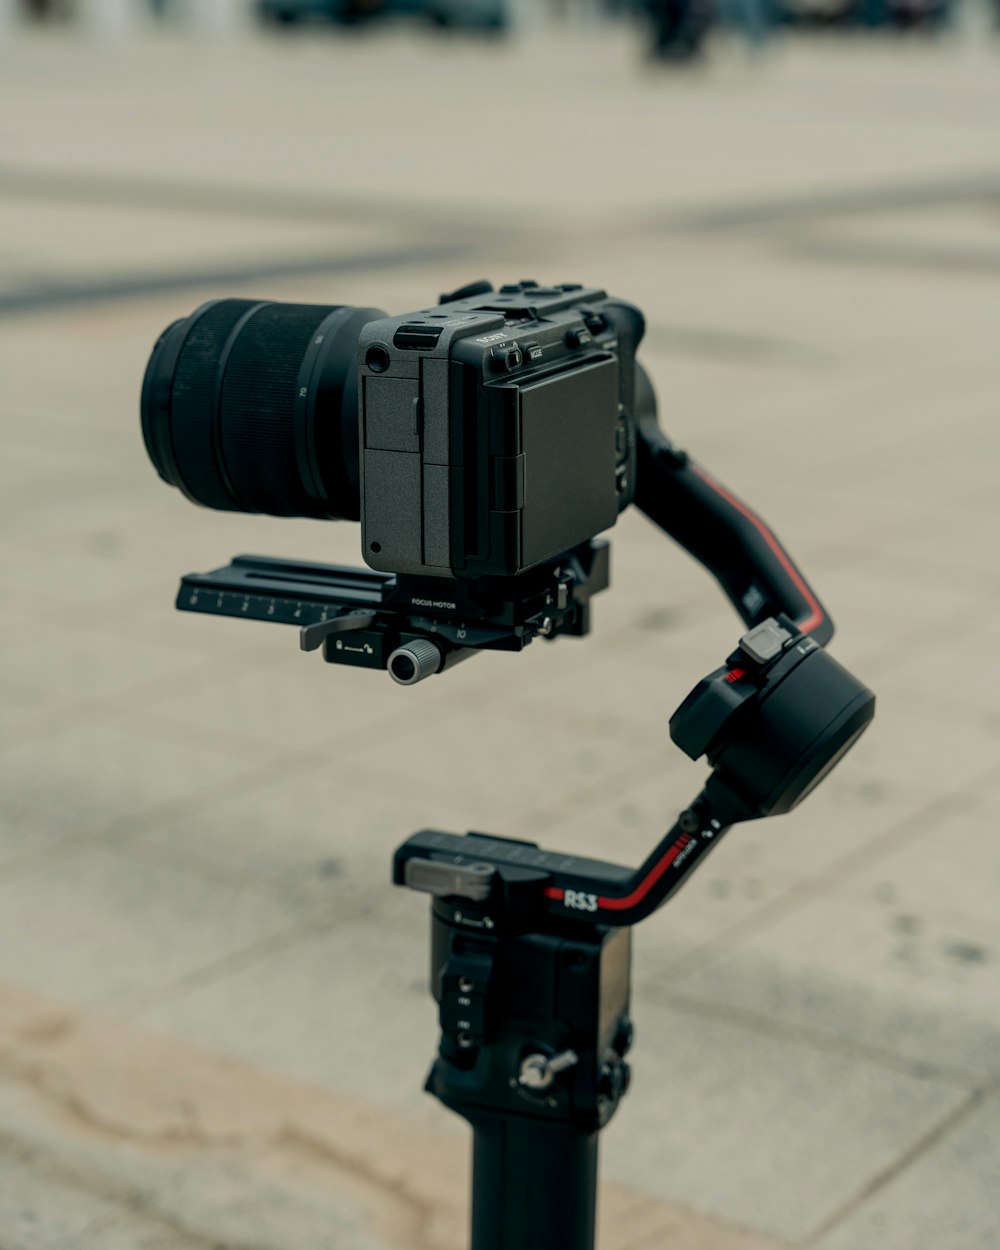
376	547
377	359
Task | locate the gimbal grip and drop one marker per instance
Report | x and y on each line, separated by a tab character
725	535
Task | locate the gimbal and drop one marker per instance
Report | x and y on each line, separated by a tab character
530	948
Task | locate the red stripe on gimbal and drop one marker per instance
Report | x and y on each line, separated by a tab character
642	889
816	615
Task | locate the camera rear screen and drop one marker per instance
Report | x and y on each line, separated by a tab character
568	441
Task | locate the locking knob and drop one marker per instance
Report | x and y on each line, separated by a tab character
537	1072
414	661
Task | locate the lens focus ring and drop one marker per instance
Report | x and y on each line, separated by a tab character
252	406
194	432
257	408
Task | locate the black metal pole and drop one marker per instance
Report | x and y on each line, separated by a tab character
534	1185
534	1033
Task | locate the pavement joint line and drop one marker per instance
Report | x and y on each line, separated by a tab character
174	728
132	840
817	1039
881	845
982	186
931	567
107	708
185	860
846	551
141	286
636	770
122	828
718	344
135	841
101	1224
891	368
96	1183
253	953
263	202
29	863
242	201
296	760
972	262
41	724
884	1178
874	661
884	657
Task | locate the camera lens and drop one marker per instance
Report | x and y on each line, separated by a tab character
252	406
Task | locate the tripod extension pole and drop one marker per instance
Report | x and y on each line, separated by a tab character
534	1185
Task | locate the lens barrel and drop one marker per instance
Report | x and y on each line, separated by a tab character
252	406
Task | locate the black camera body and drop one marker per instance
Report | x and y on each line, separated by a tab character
476	439
496	430
483	444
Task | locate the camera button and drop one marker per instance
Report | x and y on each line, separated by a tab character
506	358
621	439
764	641
417	337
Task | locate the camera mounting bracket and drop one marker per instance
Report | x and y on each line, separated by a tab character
410	625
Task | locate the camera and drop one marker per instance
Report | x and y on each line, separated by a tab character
478	438
483	443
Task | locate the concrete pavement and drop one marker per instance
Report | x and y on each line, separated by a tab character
214	1023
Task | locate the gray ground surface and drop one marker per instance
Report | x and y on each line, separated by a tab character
213	1018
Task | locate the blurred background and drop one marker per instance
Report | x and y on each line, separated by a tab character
214	1016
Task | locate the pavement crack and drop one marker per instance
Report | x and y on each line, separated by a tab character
122	1198
83	1116
107	1093
414	1214
899	1165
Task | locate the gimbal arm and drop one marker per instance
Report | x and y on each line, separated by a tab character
772	720
722	533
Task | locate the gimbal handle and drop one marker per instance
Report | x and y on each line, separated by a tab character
722	533
488	877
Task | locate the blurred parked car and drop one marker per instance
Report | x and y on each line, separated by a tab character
866	14
489	15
